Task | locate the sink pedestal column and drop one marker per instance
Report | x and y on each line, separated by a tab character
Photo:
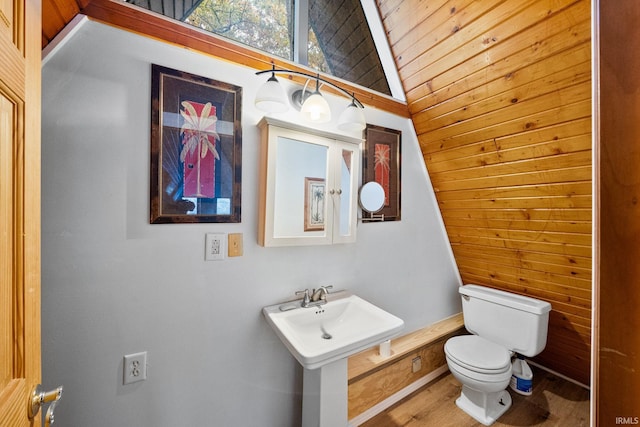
325	395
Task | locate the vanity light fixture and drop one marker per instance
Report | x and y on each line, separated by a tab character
270	97
313	106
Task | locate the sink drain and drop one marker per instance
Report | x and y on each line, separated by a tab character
326	335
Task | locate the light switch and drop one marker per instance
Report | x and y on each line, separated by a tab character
235	244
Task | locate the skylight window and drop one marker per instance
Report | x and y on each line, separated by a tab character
330	36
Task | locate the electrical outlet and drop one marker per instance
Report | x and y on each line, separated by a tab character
135	367
416	364
215	247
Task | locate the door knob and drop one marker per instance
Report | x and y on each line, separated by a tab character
39	398
48	418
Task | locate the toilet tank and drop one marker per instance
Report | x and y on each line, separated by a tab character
514	321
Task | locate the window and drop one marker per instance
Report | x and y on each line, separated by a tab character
263	24
330	36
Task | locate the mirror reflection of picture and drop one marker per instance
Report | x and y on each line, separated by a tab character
314	193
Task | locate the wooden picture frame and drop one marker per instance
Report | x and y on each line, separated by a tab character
314	193
196	148
381	162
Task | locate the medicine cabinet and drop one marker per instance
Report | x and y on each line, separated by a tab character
308	185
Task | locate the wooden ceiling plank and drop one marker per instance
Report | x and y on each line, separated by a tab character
506	92
545	263
68	9
470	88
568	135
405	19
559	248
523	236
572	174
561	189
429	31
555	113
562	98
519	172
54	22
546	214
566	287
489	30
498	155
502	58
583	227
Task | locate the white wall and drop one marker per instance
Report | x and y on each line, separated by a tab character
112	284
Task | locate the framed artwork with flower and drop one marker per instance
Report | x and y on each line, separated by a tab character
196	148
381	162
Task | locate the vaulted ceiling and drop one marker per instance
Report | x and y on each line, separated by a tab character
499	93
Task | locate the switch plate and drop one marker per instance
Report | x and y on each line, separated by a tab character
416	364
135	368
235	244
215	247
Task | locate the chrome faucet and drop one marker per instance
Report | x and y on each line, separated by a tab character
320	294
305	299
315	297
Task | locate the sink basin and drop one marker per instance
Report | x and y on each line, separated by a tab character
343	326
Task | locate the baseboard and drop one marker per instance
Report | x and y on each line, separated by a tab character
557	374
395	398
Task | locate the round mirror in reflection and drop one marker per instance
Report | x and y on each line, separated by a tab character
371	197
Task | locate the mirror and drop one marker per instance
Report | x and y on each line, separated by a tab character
372	197
345	192
300	179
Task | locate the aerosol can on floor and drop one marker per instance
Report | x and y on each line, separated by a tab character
521	377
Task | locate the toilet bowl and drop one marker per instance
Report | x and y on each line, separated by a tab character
484	369
501	323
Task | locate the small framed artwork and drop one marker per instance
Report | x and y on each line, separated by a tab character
381	162
196	148
314	189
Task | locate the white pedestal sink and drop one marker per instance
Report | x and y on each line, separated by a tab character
321	338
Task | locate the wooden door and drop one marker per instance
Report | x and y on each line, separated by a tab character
20	35
616	355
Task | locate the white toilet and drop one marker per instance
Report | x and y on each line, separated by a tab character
502	323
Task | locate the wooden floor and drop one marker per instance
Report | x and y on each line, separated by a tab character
554	402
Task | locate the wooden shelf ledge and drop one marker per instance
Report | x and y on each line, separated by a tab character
369	361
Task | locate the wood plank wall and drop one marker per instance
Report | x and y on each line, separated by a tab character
500	97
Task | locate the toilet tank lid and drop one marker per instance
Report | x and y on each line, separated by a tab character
508	299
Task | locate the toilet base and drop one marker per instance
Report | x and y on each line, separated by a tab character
486	408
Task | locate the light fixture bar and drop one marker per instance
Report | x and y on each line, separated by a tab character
311	76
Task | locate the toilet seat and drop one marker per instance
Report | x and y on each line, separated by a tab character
477	354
